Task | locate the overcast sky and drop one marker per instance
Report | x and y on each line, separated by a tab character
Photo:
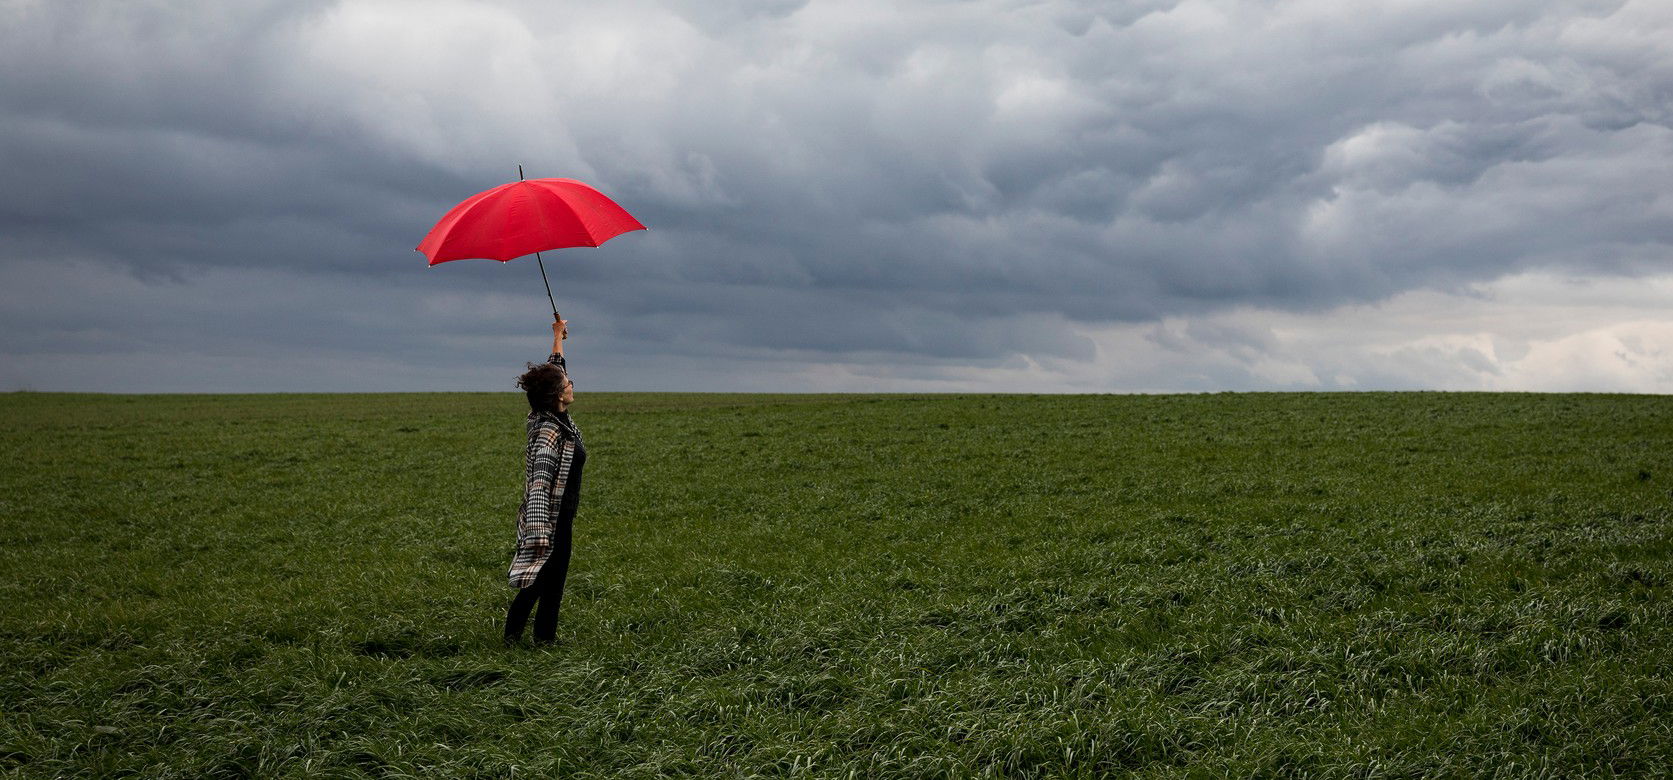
845	195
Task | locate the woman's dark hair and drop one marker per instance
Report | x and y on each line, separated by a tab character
544	384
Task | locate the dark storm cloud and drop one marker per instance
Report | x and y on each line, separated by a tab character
936	182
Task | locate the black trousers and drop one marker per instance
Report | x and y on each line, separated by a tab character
547	588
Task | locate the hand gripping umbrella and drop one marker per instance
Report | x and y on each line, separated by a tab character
527	217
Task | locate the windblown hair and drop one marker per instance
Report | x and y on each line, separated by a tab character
543	383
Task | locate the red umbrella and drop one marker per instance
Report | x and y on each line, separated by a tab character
526	217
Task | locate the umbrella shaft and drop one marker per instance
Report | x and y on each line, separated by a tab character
542	265
548	284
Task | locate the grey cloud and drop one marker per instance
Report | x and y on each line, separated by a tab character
933	181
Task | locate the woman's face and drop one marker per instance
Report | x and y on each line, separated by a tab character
568	396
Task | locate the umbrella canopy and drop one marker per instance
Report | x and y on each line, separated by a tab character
525	217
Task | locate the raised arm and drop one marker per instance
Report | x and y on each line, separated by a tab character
560	331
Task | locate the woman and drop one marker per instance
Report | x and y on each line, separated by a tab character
552	464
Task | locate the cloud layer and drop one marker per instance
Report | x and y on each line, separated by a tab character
853	195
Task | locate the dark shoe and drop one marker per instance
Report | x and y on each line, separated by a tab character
511	641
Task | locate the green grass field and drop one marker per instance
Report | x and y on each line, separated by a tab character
1333	585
